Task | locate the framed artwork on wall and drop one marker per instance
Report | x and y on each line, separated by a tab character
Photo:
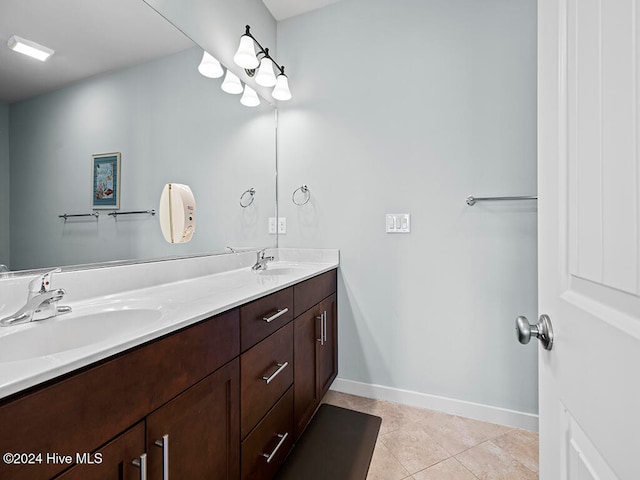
106	181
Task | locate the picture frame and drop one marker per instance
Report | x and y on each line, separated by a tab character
105	176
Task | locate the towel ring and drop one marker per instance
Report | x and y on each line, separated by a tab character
243	202
307	193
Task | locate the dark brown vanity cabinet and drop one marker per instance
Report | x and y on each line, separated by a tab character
315	347
193	436
316	359
223	399
266	379
285	374
184	385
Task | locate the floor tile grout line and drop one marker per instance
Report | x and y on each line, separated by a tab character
517	460
514	458
501	449
396	458
451	457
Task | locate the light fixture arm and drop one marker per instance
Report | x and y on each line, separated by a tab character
263	51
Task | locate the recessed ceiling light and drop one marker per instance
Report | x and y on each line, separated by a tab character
27	47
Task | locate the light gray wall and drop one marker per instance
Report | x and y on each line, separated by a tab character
171	124
4	183
410	106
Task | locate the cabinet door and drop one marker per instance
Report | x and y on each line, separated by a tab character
328	352
202	428
306	342
113	461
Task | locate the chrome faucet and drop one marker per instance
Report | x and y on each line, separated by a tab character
261	261
42	302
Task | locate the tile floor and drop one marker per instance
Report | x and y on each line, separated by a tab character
418	444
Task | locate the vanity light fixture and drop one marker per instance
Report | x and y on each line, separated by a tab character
231	83
281	90
247	58
249	97
265	76
27	47
210	67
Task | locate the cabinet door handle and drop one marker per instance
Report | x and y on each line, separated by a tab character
141	463
278	313
269	456
164	444
281	367
324	321
321	339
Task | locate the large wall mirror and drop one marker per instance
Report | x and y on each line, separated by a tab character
122	79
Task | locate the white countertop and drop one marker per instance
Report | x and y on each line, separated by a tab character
179	303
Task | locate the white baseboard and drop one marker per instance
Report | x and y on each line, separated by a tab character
477	411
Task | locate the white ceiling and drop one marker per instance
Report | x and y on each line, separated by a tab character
89	37
281	9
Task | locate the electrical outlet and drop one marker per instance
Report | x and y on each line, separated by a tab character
273	225
282	224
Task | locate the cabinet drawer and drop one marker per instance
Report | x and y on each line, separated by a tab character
262	317
266	372
312	291
264	450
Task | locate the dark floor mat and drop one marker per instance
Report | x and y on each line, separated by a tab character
337	445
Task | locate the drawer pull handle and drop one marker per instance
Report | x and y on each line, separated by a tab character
281	367
321	339
269	456
141	463
324	322
164	444
278	313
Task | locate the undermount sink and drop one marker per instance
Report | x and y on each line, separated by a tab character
277	271
83	327
281	268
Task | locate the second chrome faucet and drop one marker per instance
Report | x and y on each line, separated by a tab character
42	302
261	260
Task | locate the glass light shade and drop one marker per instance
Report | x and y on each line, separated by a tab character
265	75
245	56
231	83
249	97
210	67
281	90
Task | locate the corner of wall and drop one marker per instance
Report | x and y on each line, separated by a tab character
5	184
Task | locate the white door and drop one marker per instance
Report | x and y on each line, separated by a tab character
589	238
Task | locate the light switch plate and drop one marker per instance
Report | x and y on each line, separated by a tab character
398	223
273	225
282	224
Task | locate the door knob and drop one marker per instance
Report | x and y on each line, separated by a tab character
543	331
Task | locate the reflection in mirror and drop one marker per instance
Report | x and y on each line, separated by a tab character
169	123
